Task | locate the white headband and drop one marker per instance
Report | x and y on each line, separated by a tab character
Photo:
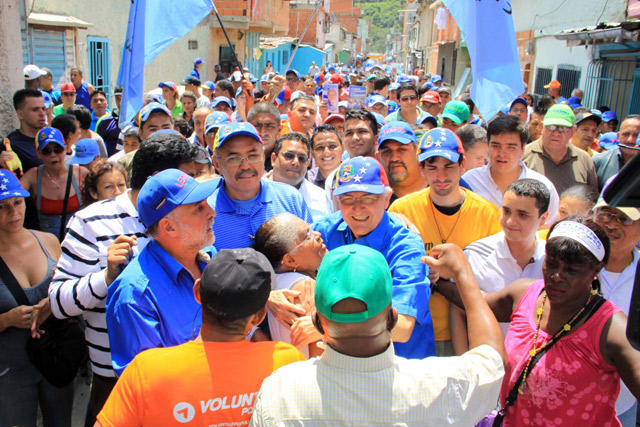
581	234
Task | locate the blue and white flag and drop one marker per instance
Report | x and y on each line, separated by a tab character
153	25
487	27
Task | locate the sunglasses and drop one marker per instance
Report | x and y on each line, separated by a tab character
292	79
48	150
561	129
289	156
68	93
408	98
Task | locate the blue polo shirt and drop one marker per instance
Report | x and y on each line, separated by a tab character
151	304
402	249
234	226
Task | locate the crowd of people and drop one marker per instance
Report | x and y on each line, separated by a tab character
238	254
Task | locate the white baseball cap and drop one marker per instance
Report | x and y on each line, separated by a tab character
32	72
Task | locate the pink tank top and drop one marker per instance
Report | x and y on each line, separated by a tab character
571	384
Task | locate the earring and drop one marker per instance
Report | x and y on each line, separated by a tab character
295	268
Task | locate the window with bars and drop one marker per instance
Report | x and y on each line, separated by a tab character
543	77
569	78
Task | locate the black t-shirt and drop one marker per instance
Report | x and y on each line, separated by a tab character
25	148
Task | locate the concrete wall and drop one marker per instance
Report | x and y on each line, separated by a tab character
11	77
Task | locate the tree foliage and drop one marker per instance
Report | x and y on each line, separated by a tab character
384	15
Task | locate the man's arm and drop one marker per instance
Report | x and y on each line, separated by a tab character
449	261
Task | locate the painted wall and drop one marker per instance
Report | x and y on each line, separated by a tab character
11	78
279	56
304	57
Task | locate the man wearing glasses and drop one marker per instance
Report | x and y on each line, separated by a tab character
409	111
242	200
554	157
363	194
293	79
616	278
609	162
265	117
68	97
290	159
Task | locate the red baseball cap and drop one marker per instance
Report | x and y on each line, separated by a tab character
432	97
336	79
67	87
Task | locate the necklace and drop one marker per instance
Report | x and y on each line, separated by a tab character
442	239
566	328
55	182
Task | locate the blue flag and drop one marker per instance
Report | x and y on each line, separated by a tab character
153	25
487	27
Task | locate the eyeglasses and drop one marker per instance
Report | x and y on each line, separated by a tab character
289	156
237	160
364	200
267	126
408	98
561	129
309	236
68	93
48	150
321	148
606	216
292	79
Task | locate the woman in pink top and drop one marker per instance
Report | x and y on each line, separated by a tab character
577	380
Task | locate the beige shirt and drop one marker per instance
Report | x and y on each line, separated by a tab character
383	390
576	167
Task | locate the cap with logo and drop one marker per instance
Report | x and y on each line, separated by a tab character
69	87
232	130
48	135
360	174
396	131
574	102
555	84
215	120
221	100
432	97
209	85
607	116
440	142
456	111
608	140
588	116
353	271
32	72
86	151
202	155
236	283
10	186
436	78
151	107
376	99
404	79
393	106
294	72
559	115
167	190
168	84
394	86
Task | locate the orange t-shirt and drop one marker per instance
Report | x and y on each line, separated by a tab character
476	219
200	383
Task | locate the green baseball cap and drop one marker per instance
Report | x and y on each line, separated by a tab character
457	111
353	271
559	115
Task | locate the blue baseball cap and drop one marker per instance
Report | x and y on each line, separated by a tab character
215	120
232	130
375	99
292	71
219	100
264	78
171	85
428	85
440	142
574	102
284	95
167	190
396	131
318	78
360	174
47	135
10	186
518	101
393	106
210	85
607	116
561	100
332	68
403	79
394	86
379	119
252	78
436	78
198	61
597	112
428	118
146	111
609	140
86	151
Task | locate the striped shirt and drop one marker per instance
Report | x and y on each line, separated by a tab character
235	227
78	286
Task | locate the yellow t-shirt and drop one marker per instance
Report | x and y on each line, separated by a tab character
200	383
476	219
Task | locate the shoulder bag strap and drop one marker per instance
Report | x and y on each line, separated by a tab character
12	284
63	222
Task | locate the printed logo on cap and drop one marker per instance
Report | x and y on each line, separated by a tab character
346	174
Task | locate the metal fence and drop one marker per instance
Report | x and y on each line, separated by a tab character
609	83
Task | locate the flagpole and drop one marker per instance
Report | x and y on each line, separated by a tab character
303	33
233	51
